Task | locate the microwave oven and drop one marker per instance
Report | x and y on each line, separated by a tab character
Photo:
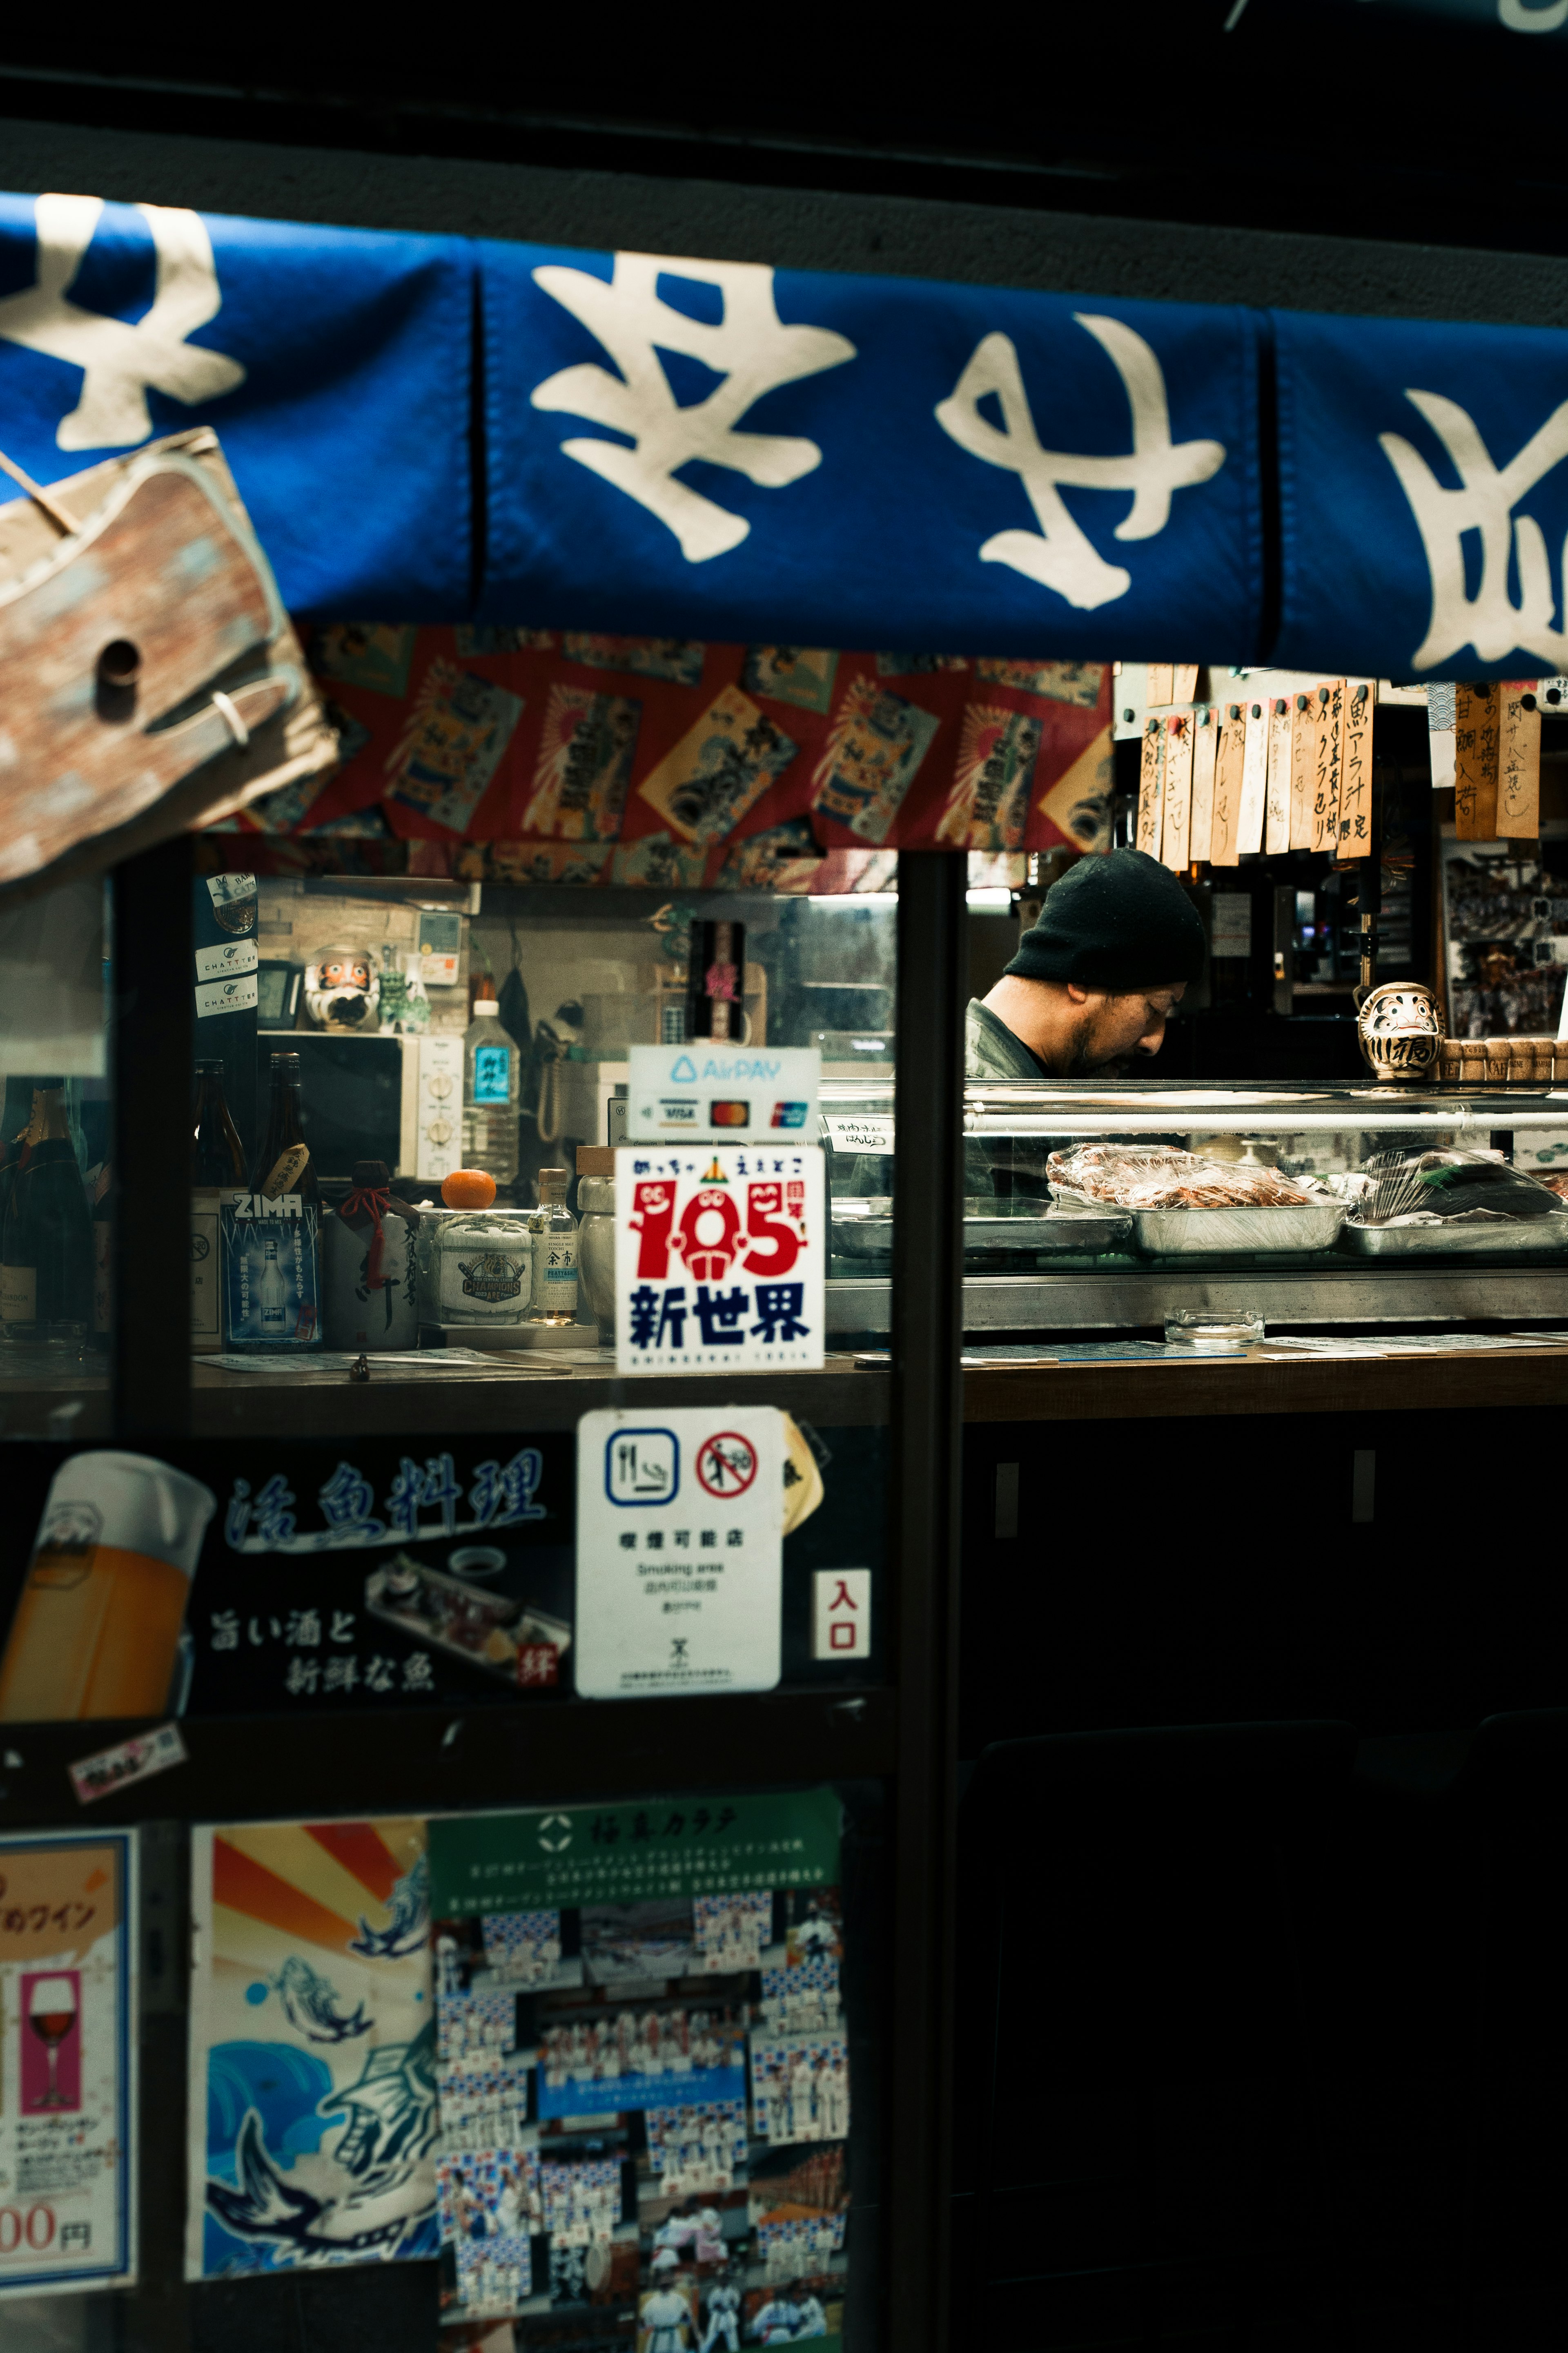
360	1097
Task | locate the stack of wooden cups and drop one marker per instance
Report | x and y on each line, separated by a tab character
1502	1061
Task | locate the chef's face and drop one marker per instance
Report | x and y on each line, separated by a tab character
1111	1031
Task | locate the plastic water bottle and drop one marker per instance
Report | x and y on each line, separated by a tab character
491	1083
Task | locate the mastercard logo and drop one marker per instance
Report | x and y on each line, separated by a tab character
729	1114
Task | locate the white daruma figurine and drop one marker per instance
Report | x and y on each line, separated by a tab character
342	989
1401	1030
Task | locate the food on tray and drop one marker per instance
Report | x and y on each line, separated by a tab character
1160	1177
1449	1187
487	1629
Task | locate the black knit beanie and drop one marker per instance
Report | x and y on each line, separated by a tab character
1115	923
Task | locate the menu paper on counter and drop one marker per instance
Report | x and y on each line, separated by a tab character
312	2121
871	1133
719	1258
679	1551
712	1088
67	2064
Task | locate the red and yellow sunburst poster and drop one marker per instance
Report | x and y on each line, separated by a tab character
313	2114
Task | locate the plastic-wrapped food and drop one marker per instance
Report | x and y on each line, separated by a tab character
1161	1177
1450	1185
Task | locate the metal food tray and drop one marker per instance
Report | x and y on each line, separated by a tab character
1218	1233
1039	1232
1521	1237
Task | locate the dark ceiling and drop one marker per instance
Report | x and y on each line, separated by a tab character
1350	117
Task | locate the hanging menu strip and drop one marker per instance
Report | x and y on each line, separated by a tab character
1162	679
1178	792
1355	776
1184	681
1225	849
1519	762
1475	761
1277	820
1327	758
1151	784
1206	742
1254	780
1303	751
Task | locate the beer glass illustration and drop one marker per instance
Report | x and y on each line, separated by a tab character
52	2006
97	1628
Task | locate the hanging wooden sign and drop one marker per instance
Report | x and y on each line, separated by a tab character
1184	681
1475	761
1253	779
1355	773
1230	759
1206	743
1519	762
1178	792
1151	786
1327	757
1276	814
1161	686
1303	751
154	680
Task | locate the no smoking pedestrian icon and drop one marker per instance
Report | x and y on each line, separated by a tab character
726	1464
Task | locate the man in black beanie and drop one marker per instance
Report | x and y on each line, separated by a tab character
1095	981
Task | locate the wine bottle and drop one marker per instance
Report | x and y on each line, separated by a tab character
217	1166
46	1277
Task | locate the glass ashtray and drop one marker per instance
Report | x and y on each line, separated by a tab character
1190	1327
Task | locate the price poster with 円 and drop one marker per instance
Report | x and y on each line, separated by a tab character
67	2174
679	1551
719	1258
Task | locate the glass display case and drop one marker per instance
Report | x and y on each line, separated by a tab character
1094	1207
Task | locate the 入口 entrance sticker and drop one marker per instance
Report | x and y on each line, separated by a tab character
718	1258
67	2159
680	1550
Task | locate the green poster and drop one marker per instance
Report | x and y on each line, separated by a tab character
617	1854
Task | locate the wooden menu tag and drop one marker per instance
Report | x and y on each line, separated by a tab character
1162	683
1277	818
1184	681
1328	754
1225	848
1206	743
1475	761
1519	763
1303	751
1355	775
1178	792
1151	787
1253	779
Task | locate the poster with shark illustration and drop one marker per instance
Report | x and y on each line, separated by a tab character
314	2062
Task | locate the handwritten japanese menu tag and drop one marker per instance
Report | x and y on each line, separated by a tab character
1519	763
1303	753
719	1258
1206	742
1178	792
1475	762
1254	780
1276	822
1150	788
1225	849
1355	772
1327	758
680	1550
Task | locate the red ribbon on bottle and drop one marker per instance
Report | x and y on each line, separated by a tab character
369	1202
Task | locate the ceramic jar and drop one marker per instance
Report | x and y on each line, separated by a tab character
369	1287
476	1266
1401	1030
596	1251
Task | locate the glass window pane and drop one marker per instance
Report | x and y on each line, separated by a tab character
55	1174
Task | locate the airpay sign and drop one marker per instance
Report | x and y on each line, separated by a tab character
709	1089
680	1550
719	1258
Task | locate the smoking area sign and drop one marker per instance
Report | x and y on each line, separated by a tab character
679	1551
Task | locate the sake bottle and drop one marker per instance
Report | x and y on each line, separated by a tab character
46	1260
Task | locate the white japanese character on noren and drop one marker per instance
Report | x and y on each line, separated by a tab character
748	347
1059	555
120	358
1489	620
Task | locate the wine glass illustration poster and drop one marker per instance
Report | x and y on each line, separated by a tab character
67	2087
